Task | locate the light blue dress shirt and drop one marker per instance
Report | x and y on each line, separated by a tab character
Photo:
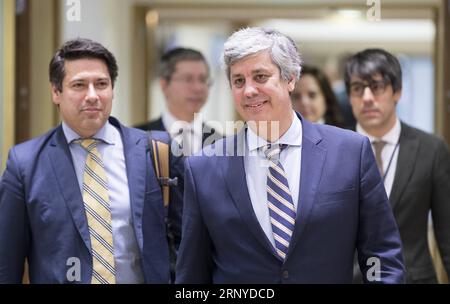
126	251
256	170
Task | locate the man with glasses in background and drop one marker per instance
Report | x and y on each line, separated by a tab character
184	80
414	165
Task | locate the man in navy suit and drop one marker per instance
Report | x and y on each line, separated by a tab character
52	212
284	200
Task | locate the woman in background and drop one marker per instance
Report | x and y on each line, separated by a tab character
314	98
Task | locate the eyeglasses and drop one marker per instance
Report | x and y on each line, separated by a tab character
376	87
190	80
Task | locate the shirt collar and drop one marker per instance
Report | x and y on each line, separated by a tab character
169	120
105	134
321	121
292	137
392	137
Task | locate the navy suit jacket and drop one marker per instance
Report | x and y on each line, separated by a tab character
342	207
42	217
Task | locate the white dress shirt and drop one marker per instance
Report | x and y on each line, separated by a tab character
191	137
321	121
256	170
127	256
389	154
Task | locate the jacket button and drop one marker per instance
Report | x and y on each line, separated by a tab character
285	274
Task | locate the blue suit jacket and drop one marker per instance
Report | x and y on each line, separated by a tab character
42	217
342	207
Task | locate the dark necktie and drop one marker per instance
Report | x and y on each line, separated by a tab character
378	145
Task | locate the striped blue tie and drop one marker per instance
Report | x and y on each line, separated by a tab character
279	198
98	214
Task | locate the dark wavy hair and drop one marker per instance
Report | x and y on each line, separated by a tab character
367	63
80	48
332	114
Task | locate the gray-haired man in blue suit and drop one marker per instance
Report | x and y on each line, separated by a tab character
287	201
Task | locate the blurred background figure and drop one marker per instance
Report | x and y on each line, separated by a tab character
414	165
338	85
184	80
313	97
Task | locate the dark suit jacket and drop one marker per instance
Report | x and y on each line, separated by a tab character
209	135
342	207
42	217
421	184
156	124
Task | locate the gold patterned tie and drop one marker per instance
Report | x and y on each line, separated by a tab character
98	213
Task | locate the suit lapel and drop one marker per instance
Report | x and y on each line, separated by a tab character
61	161
409	146
313	158
159	125
234	174
135	151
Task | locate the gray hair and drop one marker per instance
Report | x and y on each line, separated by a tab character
251	40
